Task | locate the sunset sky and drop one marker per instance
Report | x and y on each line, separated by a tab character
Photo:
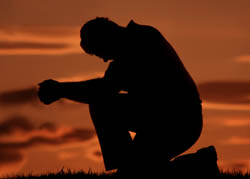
39	39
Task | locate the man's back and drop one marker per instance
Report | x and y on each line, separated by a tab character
150	68
154	77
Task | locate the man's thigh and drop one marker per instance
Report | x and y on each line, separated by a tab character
117	111
113	135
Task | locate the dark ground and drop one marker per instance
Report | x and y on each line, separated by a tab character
80	174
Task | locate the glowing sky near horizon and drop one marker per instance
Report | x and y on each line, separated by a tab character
40	40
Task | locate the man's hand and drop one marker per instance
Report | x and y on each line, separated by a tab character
49	91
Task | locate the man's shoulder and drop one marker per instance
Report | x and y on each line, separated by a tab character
145	34
133	26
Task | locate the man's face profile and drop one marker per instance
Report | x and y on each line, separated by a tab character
99	37
99	51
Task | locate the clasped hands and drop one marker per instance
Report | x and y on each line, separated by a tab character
49	91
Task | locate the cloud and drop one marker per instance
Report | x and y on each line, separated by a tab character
75	135
224	106
28	96
228	92
21	124
230	121
235	140
8	156
31	45
14	150
78	134
35	40
40	31
50	138
48	126
242	59
11	161
17	97
15	123
97	153
236	122
13	145
67	155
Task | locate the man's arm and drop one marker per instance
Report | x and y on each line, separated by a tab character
84	91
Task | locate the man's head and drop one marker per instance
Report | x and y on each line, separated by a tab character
100	37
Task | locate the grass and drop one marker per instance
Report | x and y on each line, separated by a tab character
62	174
81	174
234	175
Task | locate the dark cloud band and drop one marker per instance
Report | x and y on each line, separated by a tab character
232	92
12	151
8	156
20	96
28	96
22	124
15	123
31	45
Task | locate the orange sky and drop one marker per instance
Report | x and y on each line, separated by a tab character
40	40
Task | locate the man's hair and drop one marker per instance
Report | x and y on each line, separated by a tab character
96	33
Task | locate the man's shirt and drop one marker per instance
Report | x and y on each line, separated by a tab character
150	68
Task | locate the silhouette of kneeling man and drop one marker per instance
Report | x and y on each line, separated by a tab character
146	89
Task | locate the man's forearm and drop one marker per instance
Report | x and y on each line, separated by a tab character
84	91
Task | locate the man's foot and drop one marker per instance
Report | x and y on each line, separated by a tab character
203	163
